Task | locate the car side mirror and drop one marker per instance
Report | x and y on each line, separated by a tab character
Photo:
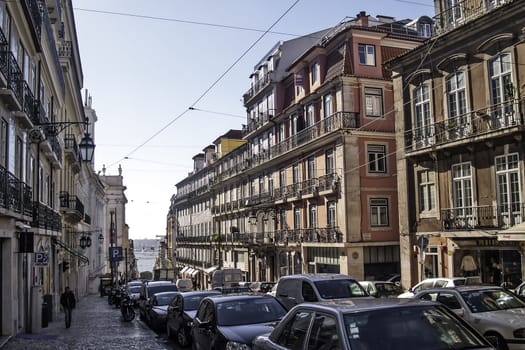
205	325
460	312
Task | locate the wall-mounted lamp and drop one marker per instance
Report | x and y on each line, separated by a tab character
85	242
87	148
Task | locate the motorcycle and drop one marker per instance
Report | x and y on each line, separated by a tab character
126	308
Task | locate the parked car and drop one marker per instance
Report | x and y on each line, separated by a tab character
184	285
233	321
439	282
491	310
295	289
382	289
150	288
371	324
133	290
181	312
232	290
157	310
520	289
261	287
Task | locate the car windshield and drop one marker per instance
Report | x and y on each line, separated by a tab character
491	300
193	302
165	288
249	311
165	299
337	289
134	289
388	289
421	327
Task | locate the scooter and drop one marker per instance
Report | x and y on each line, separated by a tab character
126	308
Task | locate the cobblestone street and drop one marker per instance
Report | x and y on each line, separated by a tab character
95	325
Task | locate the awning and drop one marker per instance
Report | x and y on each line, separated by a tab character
194	273
210	270
189	271
184	269
514	233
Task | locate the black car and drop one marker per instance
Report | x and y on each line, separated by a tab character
371	324
150	288
157	309
233	321
181	312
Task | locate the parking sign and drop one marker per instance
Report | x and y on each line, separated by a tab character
41	259
115	254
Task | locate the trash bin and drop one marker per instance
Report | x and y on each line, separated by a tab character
45	312
48	299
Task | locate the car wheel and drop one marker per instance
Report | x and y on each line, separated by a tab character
502	344
182	338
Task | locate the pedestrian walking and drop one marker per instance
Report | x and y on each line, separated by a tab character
67	300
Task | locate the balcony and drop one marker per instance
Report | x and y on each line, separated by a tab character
27	116
71	152
465	11
482	217
45	217
256	123
11	79
15	195
71	207
328	183
256	88
481	125
335	122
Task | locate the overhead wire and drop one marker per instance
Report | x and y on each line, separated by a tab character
211	86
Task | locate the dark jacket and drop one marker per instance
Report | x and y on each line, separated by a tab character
67	300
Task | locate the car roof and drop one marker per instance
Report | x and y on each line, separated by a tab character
364	304
161	294
200	292
159	283
462	288
221	298
317	277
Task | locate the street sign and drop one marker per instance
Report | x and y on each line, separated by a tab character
41	259
115	254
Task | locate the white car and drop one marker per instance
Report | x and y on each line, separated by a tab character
492	310
438	282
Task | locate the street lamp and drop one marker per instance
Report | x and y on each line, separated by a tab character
87	148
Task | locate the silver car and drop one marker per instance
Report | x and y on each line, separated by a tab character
492	310
371	324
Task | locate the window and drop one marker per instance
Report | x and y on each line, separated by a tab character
424	30
378	212
311	168
294	333
376	158
508	188
422	116
315	72
324	333
310	115
297	218
282	219
327	106
312	216
462	193
502	90
330	214
282	178
453	11
330	163
295	174
374	102
427	190
456	98
367	55
19	157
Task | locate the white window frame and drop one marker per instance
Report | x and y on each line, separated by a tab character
367	55
423	121
379	212
462	194
427	191
457	98
314	69
500	71
376	158
374	102
508	189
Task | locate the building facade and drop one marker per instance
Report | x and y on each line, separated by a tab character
45	208
459	119
312	187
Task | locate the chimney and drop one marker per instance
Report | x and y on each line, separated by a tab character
362	19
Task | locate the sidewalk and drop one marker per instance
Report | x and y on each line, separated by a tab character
95	325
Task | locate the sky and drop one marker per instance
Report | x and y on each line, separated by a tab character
145	63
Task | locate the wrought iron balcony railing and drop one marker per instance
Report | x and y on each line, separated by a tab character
71	204
45	217
472	124
257	87
15	195
482	217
